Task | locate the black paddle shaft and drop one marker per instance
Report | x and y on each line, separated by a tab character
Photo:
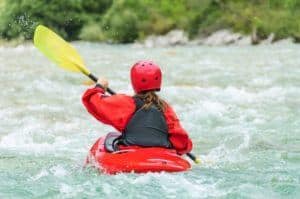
192	157
95	79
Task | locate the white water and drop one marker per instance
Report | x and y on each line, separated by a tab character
239	104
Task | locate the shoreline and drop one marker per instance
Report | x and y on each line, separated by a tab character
224	37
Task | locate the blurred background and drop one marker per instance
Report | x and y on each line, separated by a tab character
125	21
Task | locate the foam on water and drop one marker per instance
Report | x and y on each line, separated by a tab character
240	106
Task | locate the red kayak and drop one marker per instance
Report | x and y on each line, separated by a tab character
133	159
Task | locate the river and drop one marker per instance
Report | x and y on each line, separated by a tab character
240	105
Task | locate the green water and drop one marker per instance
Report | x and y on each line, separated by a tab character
240	106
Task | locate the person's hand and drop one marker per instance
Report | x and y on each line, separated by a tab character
103	82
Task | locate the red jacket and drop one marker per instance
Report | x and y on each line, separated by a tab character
116	110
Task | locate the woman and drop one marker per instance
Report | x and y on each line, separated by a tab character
144	119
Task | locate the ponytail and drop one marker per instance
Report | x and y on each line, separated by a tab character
151	98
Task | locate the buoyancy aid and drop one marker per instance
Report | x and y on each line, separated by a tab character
147	127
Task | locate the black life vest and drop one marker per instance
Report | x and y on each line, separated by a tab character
147	128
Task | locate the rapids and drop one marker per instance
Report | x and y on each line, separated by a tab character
240	105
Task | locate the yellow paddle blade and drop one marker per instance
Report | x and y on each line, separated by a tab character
197	161
58	50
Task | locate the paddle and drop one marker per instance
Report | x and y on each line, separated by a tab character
61	52
64	55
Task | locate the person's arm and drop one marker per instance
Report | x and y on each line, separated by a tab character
115	110
177	135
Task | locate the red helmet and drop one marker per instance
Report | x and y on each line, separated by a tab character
145	76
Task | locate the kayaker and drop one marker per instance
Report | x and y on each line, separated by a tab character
145	120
